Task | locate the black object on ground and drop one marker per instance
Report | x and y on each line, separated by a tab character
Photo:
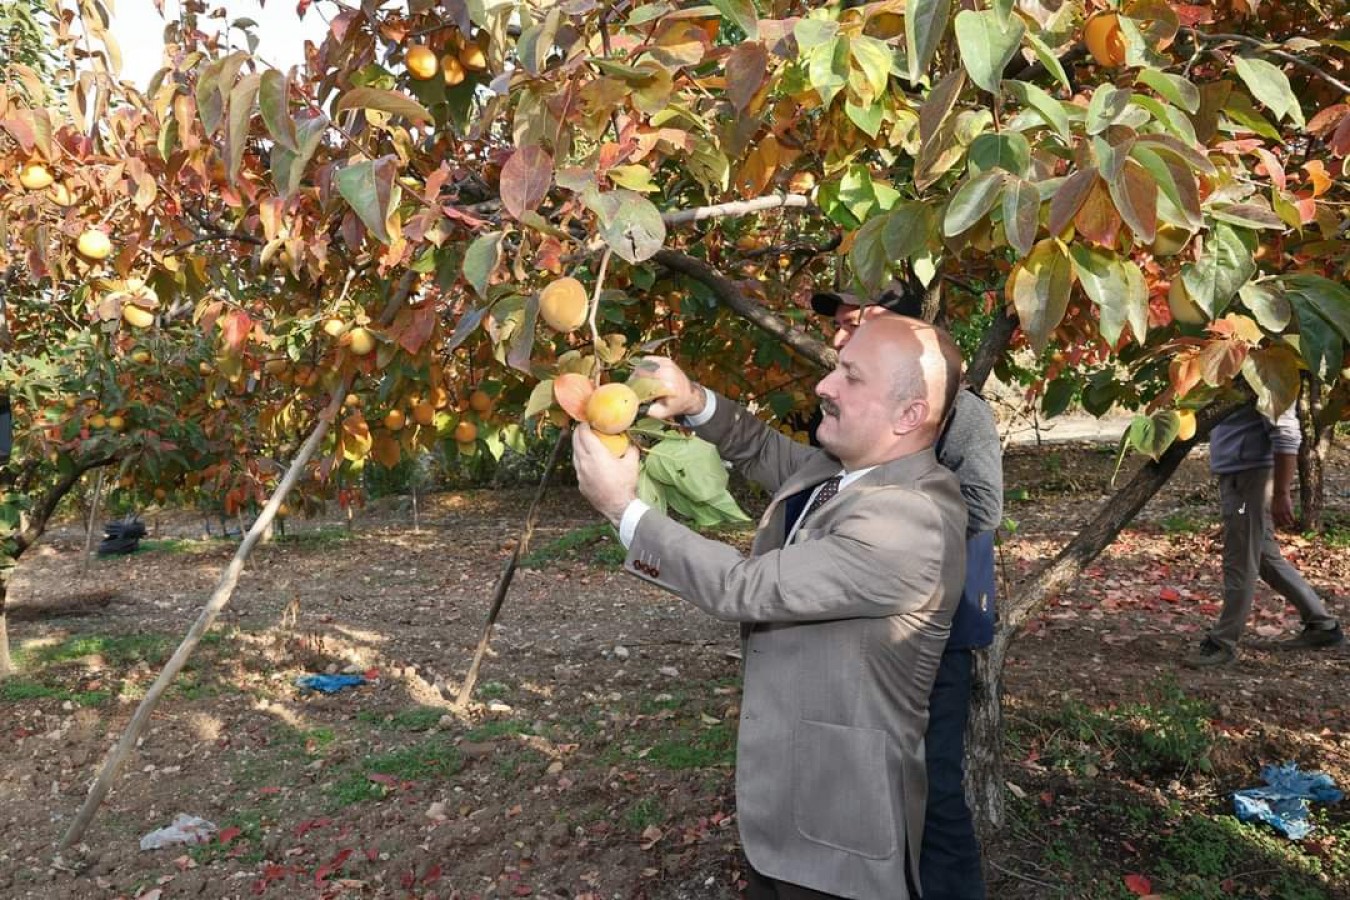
121	537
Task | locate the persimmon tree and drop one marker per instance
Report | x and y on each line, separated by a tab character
1142	199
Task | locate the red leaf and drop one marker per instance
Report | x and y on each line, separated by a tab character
745	68
525	181
1169	594
433	874
229	834
1138	884
235	329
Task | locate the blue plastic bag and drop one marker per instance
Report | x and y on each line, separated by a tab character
328	684
1283	804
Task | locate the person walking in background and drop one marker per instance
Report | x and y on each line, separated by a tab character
950	862
1254	460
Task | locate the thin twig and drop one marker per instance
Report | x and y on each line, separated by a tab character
1202	37
1019	876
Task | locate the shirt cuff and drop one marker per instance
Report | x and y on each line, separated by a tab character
632	514
709	408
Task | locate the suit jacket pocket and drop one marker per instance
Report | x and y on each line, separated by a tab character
843	795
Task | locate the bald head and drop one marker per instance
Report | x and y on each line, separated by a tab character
925	363
896	379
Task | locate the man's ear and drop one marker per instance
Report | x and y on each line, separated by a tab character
912	417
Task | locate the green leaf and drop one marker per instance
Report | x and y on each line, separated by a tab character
742	13
288	169
692	466
1047	107
1152	435
869	118
973	201
1117	287
391	102
1239	108
241	115
367	186
1039	288
828	68
811	33
874	59
210	98
1267	304
1105	108
1178	184
868	257
1226	265
275	114
481	259
1270	86
635	178
925	23
631	225
1058	395
908	227
1174	88
1329	299
987	46
651	491
1048	59
1247	215
1021	214
1009	151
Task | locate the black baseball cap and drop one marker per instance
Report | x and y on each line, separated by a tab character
902	297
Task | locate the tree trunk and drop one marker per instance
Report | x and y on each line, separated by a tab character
6	664
985	776
984	747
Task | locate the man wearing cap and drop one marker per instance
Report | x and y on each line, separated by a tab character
970	447
840	642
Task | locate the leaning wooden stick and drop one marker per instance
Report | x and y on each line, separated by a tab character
229	579
509	571
219	598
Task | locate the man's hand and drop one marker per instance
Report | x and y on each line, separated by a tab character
609	483
682	397
1282	509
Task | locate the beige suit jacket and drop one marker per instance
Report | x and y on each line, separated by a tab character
843	630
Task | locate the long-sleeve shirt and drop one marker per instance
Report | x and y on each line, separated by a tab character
1248	440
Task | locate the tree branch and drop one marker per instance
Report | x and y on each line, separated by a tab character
737	208
1097	535
734	299
1202	37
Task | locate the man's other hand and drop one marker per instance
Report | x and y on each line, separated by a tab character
682	397
609	483
1282	509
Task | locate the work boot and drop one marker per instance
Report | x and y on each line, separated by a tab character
1312	638
1209	654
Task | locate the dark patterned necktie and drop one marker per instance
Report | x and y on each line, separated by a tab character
828	489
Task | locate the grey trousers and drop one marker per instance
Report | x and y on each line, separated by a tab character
1249	550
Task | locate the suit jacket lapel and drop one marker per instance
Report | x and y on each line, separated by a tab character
772	527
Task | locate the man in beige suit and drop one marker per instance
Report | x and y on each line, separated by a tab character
844	611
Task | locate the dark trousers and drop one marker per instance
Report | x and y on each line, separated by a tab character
762	887
949	861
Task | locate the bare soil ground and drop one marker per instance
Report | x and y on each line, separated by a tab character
596	760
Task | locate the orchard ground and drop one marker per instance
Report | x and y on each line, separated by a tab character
596	760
